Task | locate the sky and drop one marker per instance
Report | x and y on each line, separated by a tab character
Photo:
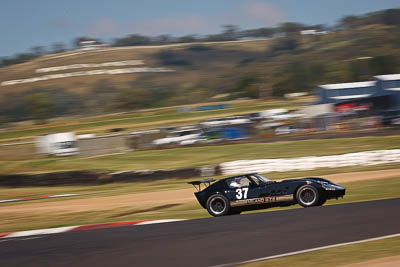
28	23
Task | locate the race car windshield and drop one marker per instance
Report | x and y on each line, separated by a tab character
262	178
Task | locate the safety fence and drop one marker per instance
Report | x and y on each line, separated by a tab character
97	177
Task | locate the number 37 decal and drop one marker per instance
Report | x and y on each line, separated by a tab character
241	193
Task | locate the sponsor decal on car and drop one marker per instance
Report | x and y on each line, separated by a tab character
261	200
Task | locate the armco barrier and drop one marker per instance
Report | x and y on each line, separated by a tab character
310	163
54	178
149	175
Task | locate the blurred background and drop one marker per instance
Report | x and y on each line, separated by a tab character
115	105
255	76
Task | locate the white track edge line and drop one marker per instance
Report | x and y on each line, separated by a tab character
160	221
38	198
308	250
10	200
69	228
41	232
65	195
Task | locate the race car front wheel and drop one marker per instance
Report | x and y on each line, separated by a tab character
307	196
218	205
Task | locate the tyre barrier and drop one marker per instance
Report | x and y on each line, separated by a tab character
97	177
366	158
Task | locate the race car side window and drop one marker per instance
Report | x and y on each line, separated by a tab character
234	183
244	181
255	182
238	182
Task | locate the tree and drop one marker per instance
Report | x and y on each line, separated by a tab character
261	32
163	39
58	47
290	28
318	27
280	84
359	69
265	90
132	98
384	64
132	40
23	57
187	39
104	93
387	17
248	86
173	58
230	32
39	106
215	38
38	50
289	43
13	107
298	76
3	121
337	72
349	22
391	17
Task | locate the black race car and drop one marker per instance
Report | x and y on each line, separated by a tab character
252	191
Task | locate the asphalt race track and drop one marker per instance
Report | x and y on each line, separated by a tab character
210	241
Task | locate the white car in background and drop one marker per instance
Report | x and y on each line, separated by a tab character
396	121
287	129
182	137
279	114
58	144
269	113
268	125
233	120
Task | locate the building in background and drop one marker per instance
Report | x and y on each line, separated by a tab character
342	92
383	93
389	85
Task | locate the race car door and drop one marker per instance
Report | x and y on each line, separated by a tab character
242	189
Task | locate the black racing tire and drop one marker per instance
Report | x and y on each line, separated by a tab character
218	205
307	196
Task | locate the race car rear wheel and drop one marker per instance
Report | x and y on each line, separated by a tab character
218	205
307	196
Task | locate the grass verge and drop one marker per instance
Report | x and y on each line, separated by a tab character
355	253
199	156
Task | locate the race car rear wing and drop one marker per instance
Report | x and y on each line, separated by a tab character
197	184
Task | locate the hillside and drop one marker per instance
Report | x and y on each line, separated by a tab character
126	78
184	59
